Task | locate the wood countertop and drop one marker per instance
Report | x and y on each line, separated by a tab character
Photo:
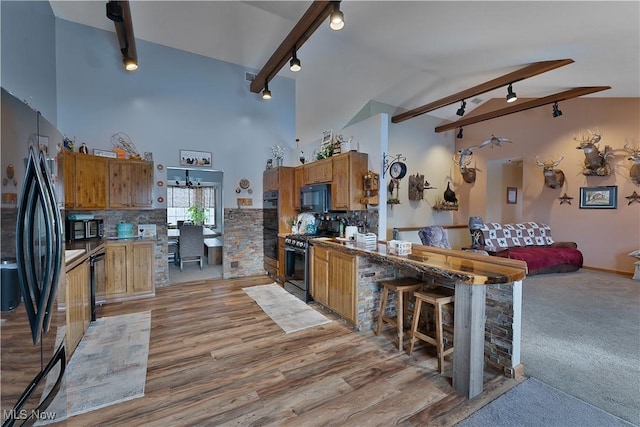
89	247
450	264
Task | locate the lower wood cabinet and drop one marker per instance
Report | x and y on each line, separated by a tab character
78	304
129	270
333	281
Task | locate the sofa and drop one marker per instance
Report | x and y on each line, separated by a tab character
531	242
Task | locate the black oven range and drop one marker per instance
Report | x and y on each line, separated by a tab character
296	261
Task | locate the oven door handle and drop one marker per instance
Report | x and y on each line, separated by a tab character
294	249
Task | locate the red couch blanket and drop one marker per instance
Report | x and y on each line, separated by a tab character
540	258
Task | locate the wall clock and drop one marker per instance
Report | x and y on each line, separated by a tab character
398	170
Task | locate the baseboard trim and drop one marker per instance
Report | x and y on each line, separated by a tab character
628	274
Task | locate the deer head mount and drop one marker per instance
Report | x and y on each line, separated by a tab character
464	157
634	172
553	178
596	162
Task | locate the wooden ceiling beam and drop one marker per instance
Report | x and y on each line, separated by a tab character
515	76
310	21
527	105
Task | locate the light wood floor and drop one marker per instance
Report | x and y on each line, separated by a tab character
216	358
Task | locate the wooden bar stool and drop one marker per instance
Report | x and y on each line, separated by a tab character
437	298
401	287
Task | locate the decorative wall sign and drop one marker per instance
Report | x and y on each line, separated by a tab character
195	158
599	197
634	198
104	153
565	199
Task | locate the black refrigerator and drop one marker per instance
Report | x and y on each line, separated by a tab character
32	347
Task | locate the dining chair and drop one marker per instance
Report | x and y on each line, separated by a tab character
190	245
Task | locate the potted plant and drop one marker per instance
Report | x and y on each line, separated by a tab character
197	215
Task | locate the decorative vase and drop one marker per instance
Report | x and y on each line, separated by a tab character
278	161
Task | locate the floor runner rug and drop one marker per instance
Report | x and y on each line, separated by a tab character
533	403
289	312
109	366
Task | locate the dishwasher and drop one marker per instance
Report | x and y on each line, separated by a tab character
98	278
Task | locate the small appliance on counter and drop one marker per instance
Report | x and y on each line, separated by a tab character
83	227
125	230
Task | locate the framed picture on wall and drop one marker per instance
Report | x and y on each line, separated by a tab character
512	195
599	197
195	158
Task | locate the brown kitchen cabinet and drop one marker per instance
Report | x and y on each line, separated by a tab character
77	304
320	275
271	179
320	171
129	270
298	180
333	281
130	184
342	284
347	187
281	255
87	186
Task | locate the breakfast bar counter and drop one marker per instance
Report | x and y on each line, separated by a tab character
488	301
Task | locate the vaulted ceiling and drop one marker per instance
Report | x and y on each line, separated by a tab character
402	53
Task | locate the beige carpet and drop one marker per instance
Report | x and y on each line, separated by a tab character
109	366
290	313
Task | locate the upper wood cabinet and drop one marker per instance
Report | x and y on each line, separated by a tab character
298	182
130	183
90	181
347	186
94	182
281	179
320	171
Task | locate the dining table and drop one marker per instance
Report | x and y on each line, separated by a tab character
175	232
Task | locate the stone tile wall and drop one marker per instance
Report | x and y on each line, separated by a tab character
243	247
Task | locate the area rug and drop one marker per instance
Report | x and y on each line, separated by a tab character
109	366
289	312
533	403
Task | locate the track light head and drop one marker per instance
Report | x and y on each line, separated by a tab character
266	93
129	64
114	11
556	110
511	95
459	135
336	19
460	111
294	64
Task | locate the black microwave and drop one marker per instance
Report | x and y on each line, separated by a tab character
84	229
315	198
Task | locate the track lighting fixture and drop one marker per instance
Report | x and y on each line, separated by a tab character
336	19
129	63
266	93
120	13
459	135
511	95
114	11
460	111
556	110
294	64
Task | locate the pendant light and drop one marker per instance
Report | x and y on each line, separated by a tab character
294	64
336	19
556	110
266	93
511	95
